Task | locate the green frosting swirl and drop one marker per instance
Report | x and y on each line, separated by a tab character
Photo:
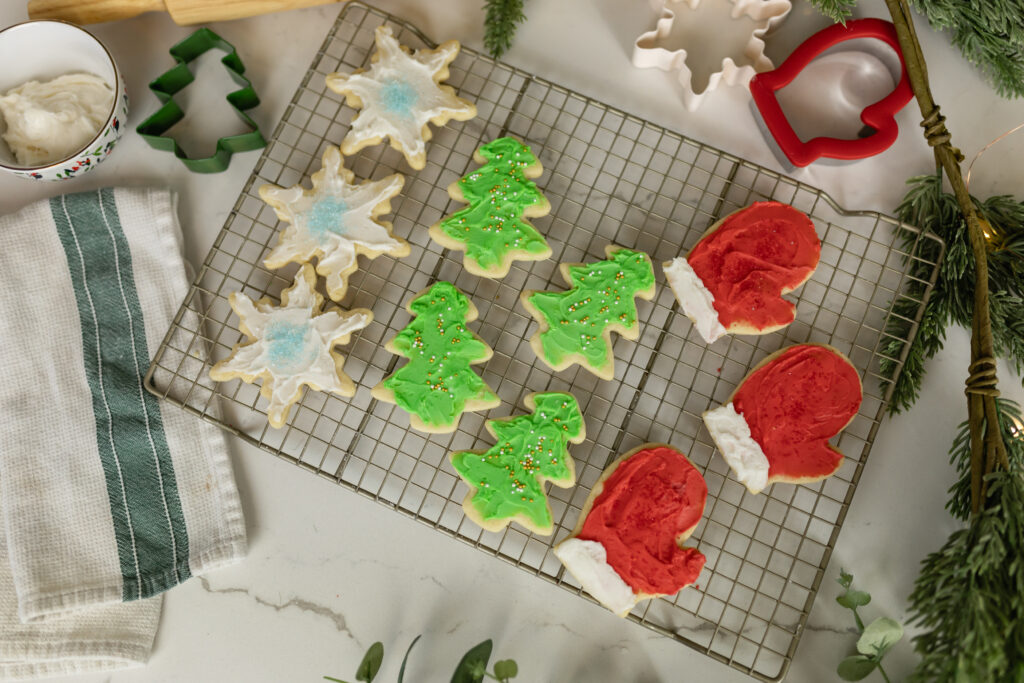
437	381
498	193
602	295
530	448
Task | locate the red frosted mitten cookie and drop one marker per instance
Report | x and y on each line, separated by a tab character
776	425
627	546
732	282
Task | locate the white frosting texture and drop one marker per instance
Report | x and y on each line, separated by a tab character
50	121
744	456
696	300
334	221
291	345
588	562
399	94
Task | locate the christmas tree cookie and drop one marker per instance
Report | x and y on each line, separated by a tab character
438	383
291	346
399	94
576	326
777	424
334	222
628	543
507	481
493	230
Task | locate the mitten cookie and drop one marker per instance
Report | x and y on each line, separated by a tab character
398	95
733	280
576	325
438	383
627	546
776	425
334	222
291	345
507	481
493	230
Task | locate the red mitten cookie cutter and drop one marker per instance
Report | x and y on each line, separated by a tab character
879	117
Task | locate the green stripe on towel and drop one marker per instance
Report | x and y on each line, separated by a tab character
152	541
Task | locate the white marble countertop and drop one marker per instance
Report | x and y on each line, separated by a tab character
329	572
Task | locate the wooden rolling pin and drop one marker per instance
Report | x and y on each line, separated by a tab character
184	12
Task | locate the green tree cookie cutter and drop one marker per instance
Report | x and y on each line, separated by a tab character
153	129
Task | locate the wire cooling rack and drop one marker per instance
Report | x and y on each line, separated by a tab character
610	177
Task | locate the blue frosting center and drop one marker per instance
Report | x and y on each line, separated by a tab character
289	346
325	217
398	97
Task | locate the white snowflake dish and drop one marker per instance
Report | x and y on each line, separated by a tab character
291	346
398	95
334	222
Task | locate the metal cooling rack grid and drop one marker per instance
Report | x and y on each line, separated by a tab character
610	177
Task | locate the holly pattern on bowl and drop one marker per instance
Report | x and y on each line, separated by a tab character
89	158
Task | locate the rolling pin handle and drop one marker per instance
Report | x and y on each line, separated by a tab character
91	11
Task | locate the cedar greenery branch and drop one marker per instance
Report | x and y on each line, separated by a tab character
969	596
935	211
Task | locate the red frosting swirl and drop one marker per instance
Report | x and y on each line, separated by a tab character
651	499
752	258
795	404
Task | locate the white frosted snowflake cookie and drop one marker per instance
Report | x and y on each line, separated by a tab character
398	95
334	222
291	345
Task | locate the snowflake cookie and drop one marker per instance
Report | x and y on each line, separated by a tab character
398	95
334	222
291	345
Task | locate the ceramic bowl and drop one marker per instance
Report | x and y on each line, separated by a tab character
42	50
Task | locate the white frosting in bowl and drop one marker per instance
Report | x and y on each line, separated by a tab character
50	121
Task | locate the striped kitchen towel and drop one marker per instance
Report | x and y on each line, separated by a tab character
108	496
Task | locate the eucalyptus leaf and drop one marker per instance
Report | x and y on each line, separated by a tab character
880	635
401	671
505	669
856	667
854	598
370	665
468	668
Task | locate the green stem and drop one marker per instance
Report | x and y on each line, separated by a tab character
336	680
988	451
882	671
856	617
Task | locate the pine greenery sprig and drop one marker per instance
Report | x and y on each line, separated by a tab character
500	24
836	10
989	34
927	206
969	597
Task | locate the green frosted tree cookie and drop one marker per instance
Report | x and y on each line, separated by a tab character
493	230
576	325
507	481
438	383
